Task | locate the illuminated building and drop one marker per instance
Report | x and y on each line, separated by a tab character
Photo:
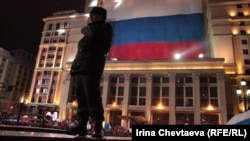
195	90
16	69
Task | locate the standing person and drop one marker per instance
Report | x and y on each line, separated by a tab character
87	68
41	117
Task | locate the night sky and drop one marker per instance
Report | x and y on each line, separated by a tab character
21	21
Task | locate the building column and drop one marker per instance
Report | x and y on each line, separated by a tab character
196	94
63	97
125	97
222	98
172	115
105	94
149	78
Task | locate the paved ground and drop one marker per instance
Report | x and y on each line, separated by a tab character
23	133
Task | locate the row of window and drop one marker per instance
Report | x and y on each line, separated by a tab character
57	26
51	57
241	6
184	94
243	32
54	40
240	14
245	52
159	118
163	79
56	33
45	87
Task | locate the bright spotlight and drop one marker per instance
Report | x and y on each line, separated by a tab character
72	16
114	59
61	31
177	56
201	55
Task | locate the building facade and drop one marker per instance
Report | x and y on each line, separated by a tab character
17	68
185	91
7	60
228	29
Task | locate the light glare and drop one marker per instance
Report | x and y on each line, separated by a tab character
177	56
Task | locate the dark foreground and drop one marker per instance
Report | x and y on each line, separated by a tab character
21	133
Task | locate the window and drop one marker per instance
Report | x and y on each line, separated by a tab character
160	118
207	118
184	91
52	49
156	80
54	82
183	118
160	79
165	79
245	51
138	91
212	79
214	96
138	80
46	81
246	61
56	33
160	91
47	73
62	39
114	119
47	34
49	64
244	42
240	14
204	96
46	40
57	64
49	27
189	80
116	90
52	91
57	26
37	90
156	96
189	97
184	96
53	40
44	91
239	6
243	32
179	96
42	99
208	91
66	25
247	72
241	23
50	57
51	100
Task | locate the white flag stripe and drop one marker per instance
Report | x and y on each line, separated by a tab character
129	9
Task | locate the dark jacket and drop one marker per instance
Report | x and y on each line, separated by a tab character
92	48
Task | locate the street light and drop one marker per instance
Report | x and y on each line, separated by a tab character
243	92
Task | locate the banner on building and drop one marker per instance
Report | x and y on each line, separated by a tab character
156	29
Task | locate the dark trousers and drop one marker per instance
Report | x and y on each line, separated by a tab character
89	97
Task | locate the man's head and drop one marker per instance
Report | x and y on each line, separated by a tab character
98	14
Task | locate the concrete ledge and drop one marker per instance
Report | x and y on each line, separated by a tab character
23	133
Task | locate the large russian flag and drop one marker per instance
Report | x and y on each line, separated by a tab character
156	29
